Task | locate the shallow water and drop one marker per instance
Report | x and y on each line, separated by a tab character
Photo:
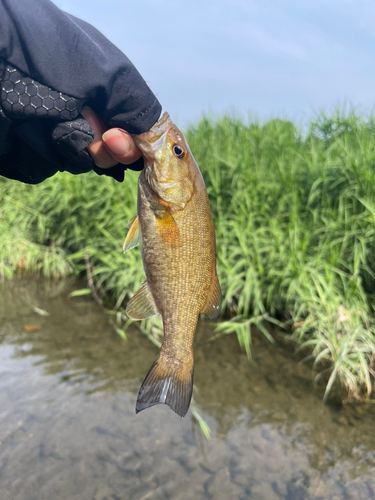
68	428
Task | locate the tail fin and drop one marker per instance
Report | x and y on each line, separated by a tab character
167	383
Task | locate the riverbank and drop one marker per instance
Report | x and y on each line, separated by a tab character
294	215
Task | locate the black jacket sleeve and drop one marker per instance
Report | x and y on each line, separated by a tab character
62	57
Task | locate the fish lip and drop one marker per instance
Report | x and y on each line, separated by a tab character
161	127
161	120
155	126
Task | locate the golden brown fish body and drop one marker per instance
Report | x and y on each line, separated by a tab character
175	227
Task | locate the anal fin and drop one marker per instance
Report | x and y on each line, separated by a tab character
133	237
142	304
167	383
213	304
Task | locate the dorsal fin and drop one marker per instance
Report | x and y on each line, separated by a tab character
142	304
213	304
134	234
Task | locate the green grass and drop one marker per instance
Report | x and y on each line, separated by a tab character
295	225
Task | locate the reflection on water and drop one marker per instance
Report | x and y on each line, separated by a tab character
68	429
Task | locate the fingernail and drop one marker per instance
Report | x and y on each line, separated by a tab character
116	143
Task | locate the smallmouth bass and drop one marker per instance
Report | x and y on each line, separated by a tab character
175	228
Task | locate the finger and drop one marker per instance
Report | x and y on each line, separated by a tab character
121	146
96	149
71	139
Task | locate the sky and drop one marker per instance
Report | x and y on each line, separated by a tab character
283	58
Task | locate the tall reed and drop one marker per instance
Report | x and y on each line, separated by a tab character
294	214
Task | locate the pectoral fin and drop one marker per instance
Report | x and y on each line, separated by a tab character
168	229
142	304
134	235
213	304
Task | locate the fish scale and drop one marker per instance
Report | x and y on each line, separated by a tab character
175	227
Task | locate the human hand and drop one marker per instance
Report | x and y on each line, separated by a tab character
110	146
56	66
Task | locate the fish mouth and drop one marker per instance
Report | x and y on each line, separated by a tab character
161	120
160	128
146	140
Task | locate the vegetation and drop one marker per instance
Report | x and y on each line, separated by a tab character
295	225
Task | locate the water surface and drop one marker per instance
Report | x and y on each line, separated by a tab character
68	428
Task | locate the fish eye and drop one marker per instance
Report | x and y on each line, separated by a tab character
178	151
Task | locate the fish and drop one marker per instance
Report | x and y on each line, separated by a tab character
175	228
